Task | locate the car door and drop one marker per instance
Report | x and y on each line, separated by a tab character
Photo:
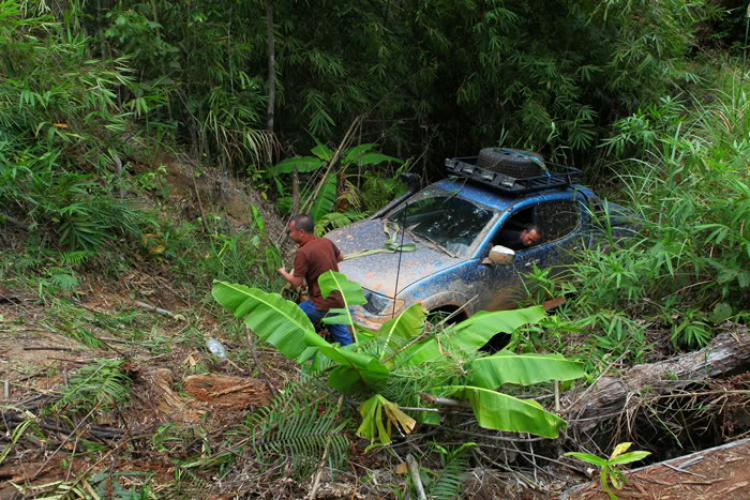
559	219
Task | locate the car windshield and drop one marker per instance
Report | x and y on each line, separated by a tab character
450	221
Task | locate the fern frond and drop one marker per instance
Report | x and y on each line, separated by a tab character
75	258
334	220
102	384
63	279
294	433
449	483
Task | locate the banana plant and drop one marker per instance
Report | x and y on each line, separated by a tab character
402	345
325	200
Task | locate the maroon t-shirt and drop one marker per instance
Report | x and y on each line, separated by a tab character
314	257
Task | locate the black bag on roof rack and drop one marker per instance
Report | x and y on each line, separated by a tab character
492	166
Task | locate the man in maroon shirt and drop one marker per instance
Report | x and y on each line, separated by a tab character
314	257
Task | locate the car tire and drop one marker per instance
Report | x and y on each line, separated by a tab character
511	162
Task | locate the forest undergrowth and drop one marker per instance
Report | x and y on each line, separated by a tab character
134	172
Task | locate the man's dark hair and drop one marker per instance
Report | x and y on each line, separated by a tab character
533	227
304	222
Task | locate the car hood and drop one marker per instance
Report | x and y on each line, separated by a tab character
378	272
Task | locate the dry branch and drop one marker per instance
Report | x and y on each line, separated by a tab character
413	466
610	397
159	310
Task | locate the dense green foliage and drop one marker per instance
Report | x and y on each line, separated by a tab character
403	359
688	270
97	98
430	76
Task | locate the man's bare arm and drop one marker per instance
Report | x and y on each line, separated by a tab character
290	278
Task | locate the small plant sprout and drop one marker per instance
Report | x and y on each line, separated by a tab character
610	472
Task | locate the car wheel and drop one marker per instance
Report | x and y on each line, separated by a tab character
512	162
437	316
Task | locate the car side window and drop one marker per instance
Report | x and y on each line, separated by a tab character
557	219
508	235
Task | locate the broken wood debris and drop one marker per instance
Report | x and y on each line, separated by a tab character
159	310
610	397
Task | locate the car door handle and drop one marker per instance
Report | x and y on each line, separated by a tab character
531	263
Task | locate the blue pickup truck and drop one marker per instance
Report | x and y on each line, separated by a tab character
458	225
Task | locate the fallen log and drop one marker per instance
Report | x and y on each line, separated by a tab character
611	397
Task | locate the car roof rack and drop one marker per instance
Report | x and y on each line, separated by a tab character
554	176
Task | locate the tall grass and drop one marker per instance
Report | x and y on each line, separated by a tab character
687	270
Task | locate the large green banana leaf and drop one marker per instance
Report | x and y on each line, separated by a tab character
352	154
275	320
357	372
301	163
322	151
469	335
395	332
495	410
351	292
524	369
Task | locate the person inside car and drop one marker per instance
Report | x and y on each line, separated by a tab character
519	240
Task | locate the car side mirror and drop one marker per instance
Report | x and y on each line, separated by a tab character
500	256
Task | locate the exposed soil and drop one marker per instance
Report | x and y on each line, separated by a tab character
721	473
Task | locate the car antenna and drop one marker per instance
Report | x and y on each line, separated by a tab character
400	253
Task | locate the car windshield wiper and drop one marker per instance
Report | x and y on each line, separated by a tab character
434	243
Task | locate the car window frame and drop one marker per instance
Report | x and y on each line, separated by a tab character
507	214
434	191
579	222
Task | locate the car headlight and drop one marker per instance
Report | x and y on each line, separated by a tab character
379	304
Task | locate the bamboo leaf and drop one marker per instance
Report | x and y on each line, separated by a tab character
588	458
619	449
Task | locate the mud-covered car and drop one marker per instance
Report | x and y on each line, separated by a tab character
457	225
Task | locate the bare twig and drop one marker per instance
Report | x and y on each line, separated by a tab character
14	221
684	471
436	400
50	348
200	204
413	466
67	438
342	145
251	342
316	481
159	310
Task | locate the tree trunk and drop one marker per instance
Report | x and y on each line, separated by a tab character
295	192
611	397
271	78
